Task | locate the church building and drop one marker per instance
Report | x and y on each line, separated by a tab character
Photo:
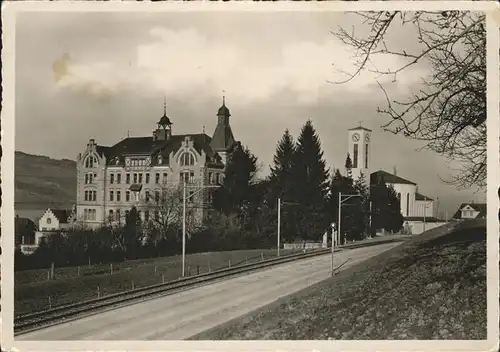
414	205
135	171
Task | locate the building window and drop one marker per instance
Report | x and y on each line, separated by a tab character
89	178
157	178
147	178
127	179
165	178
127	196
126	214
157	196
210	178
407	204
146	215
140	178
187	176
160	159
112	178
217	179
147	196
111	215
111	196
89	214
355	157
191	197
399	197
118	196
139	215
118	215
135	178
49	221
91	162
118	178
366	156
187	159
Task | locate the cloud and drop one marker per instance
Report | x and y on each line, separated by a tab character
184	63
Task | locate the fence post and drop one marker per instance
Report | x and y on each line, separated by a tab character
52	273
78	271
198	269
89	260
261	256
209	269
229	263
132	284
246	259
162	278
155	269
98	292
111	268
50	302
189	270
48	274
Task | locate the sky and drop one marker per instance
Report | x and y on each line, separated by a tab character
104	75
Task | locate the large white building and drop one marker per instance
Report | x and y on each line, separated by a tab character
137	170
414	205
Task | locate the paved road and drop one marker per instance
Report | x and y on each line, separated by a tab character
184	314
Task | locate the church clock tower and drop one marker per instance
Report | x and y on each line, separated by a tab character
360	151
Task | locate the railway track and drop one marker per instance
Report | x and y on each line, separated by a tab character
37	320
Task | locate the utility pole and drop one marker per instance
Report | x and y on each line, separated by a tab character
184	198
183	226
279	225
425	210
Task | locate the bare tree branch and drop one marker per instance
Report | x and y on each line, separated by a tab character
449	112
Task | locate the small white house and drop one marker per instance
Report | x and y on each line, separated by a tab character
53	220
471	211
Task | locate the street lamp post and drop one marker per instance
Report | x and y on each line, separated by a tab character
184	199
280	203
333	243
347	197
279	225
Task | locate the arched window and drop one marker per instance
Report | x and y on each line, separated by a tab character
91	161
187	159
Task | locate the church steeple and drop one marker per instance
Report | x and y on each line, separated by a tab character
223	139
164	130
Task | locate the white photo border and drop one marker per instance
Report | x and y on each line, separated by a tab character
9	11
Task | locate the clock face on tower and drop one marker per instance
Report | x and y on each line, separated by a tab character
355	137
367	137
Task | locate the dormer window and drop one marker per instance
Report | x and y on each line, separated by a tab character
160	159
187	159
91	161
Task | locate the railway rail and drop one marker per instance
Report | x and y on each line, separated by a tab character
37	320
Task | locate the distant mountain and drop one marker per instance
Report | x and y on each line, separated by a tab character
43	182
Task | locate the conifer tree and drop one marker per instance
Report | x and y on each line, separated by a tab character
310	183
348	166
235	195
281	172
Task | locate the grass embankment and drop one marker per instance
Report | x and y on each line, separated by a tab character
430	287
32	289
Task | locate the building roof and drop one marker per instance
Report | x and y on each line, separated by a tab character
223	110
388	178
420	196
62	215
223	138
148	146
23	222
480	207
360	128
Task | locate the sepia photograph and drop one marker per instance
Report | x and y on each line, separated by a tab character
214	175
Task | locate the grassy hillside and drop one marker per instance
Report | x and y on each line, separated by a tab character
430	287
42	182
